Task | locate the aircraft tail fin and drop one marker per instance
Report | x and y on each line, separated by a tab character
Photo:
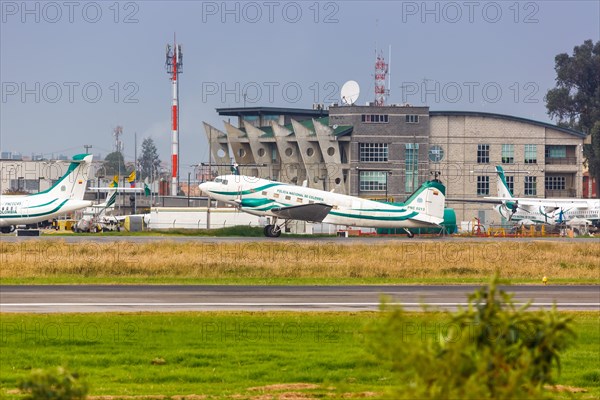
430	200
502	186
111	199
73	183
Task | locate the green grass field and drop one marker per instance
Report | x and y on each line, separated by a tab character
233	355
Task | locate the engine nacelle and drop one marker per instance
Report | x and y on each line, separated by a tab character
7	229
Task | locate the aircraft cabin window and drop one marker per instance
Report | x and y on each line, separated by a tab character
224	181
288	197
311	202
264	193
299	200
276	195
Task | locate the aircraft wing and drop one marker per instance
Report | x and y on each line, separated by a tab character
306	212
551	203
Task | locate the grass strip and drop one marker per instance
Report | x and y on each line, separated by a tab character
232	354
296	262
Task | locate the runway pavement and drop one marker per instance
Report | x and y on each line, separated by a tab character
308	239
101	298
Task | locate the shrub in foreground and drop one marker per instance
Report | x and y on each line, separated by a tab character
53	384
490	350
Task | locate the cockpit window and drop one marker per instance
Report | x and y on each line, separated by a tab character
218	180
224	182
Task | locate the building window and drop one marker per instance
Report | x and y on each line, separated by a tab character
530	154
412	119
274	154
556	151
483	185
483	154
411	167
510	182
555	183
508	153
268	117
530	186
373	152
375	118
372	181
436	154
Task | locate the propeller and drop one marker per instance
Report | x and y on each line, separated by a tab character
511	206
561	216
239	198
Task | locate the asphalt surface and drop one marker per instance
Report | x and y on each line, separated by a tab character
11	238
110	298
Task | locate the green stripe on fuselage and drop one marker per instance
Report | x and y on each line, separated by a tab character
375	217
255	202
42	205
36	215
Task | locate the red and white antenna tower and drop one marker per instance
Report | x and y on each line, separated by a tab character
381	71
174	65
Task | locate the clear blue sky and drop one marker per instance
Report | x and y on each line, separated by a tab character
481	56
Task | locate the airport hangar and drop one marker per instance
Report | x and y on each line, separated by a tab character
383	152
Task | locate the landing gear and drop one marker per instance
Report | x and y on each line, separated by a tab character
409	233
272	231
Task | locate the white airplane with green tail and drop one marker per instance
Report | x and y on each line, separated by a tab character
65	196
284	202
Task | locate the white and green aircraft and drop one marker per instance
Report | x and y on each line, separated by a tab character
65	196
548	211
280	201
94	218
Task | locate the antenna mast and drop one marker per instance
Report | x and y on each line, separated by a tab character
381	71
174	66
117	133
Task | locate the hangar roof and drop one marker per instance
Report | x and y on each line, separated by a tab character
506	117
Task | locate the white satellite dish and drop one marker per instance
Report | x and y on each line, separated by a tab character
350	92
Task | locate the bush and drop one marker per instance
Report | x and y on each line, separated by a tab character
53	384
491	350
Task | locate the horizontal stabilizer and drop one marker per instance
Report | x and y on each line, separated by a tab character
306	212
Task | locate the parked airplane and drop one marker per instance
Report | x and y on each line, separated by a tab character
65	196
94	218
549	211
424	208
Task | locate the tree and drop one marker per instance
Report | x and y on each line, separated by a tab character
115	164
591	152
148	161
575	101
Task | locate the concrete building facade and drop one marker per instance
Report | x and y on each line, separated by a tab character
387	152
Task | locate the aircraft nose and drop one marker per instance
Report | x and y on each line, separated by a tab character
204	188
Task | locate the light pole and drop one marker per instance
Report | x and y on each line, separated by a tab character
188	189
387	173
